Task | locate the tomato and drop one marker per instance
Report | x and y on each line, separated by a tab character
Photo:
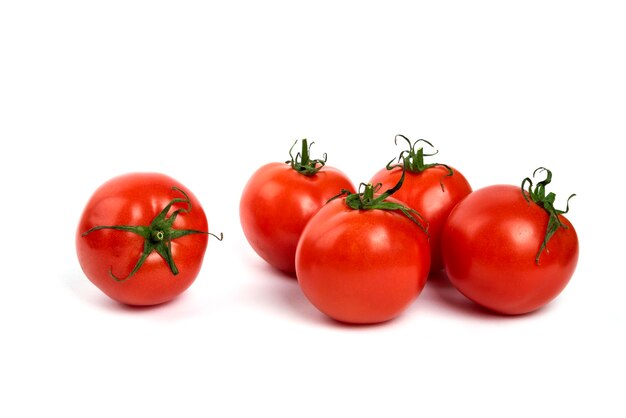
278	201
508	249
362	259
141	238
433	190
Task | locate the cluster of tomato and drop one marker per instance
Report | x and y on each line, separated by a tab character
363	256
360	256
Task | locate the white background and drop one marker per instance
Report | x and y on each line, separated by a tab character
207	93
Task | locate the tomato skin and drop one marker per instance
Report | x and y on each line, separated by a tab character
490	242
136	199
361	266
422	191
276	204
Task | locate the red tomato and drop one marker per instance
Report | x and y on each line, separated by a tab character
493	250
278	201
433	190
362	266
141	238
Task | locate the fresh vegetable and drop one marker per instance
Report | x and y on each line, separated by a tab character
280	198
141	238
364	257
508	249
431	189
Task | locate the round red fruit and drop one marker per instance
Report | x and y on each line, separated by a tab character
141	238
510	250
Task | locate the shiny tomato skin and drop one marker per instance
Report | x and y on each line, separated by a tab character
490	242
423	192
276	204
361	266
136	199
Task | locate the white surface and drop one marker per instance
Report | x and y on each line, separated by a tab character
207	94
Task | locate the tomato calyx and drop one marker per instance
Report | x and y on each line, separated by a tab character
538	196
412	159
158	236
366	199
303	163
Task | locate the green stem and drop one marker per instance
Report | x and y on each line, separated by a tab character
413	158
546	201
158	236
365	199
303	163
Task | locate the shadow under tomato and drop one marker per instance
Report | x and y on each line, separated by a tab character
91	295
282	274
122	307
363	327
275	290
285	294
442	291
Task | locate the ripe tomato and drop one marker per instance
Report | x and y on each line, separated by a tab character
433	190
278	201
508	252
361	259
141	238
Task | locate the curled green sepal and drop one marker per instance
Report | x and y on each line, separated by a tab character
365	199
538	195
158	236
413	158
303	163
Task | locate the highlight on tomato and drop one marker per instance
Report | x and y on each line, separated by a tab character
509	249
141	238
280	198
364	257
431	189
